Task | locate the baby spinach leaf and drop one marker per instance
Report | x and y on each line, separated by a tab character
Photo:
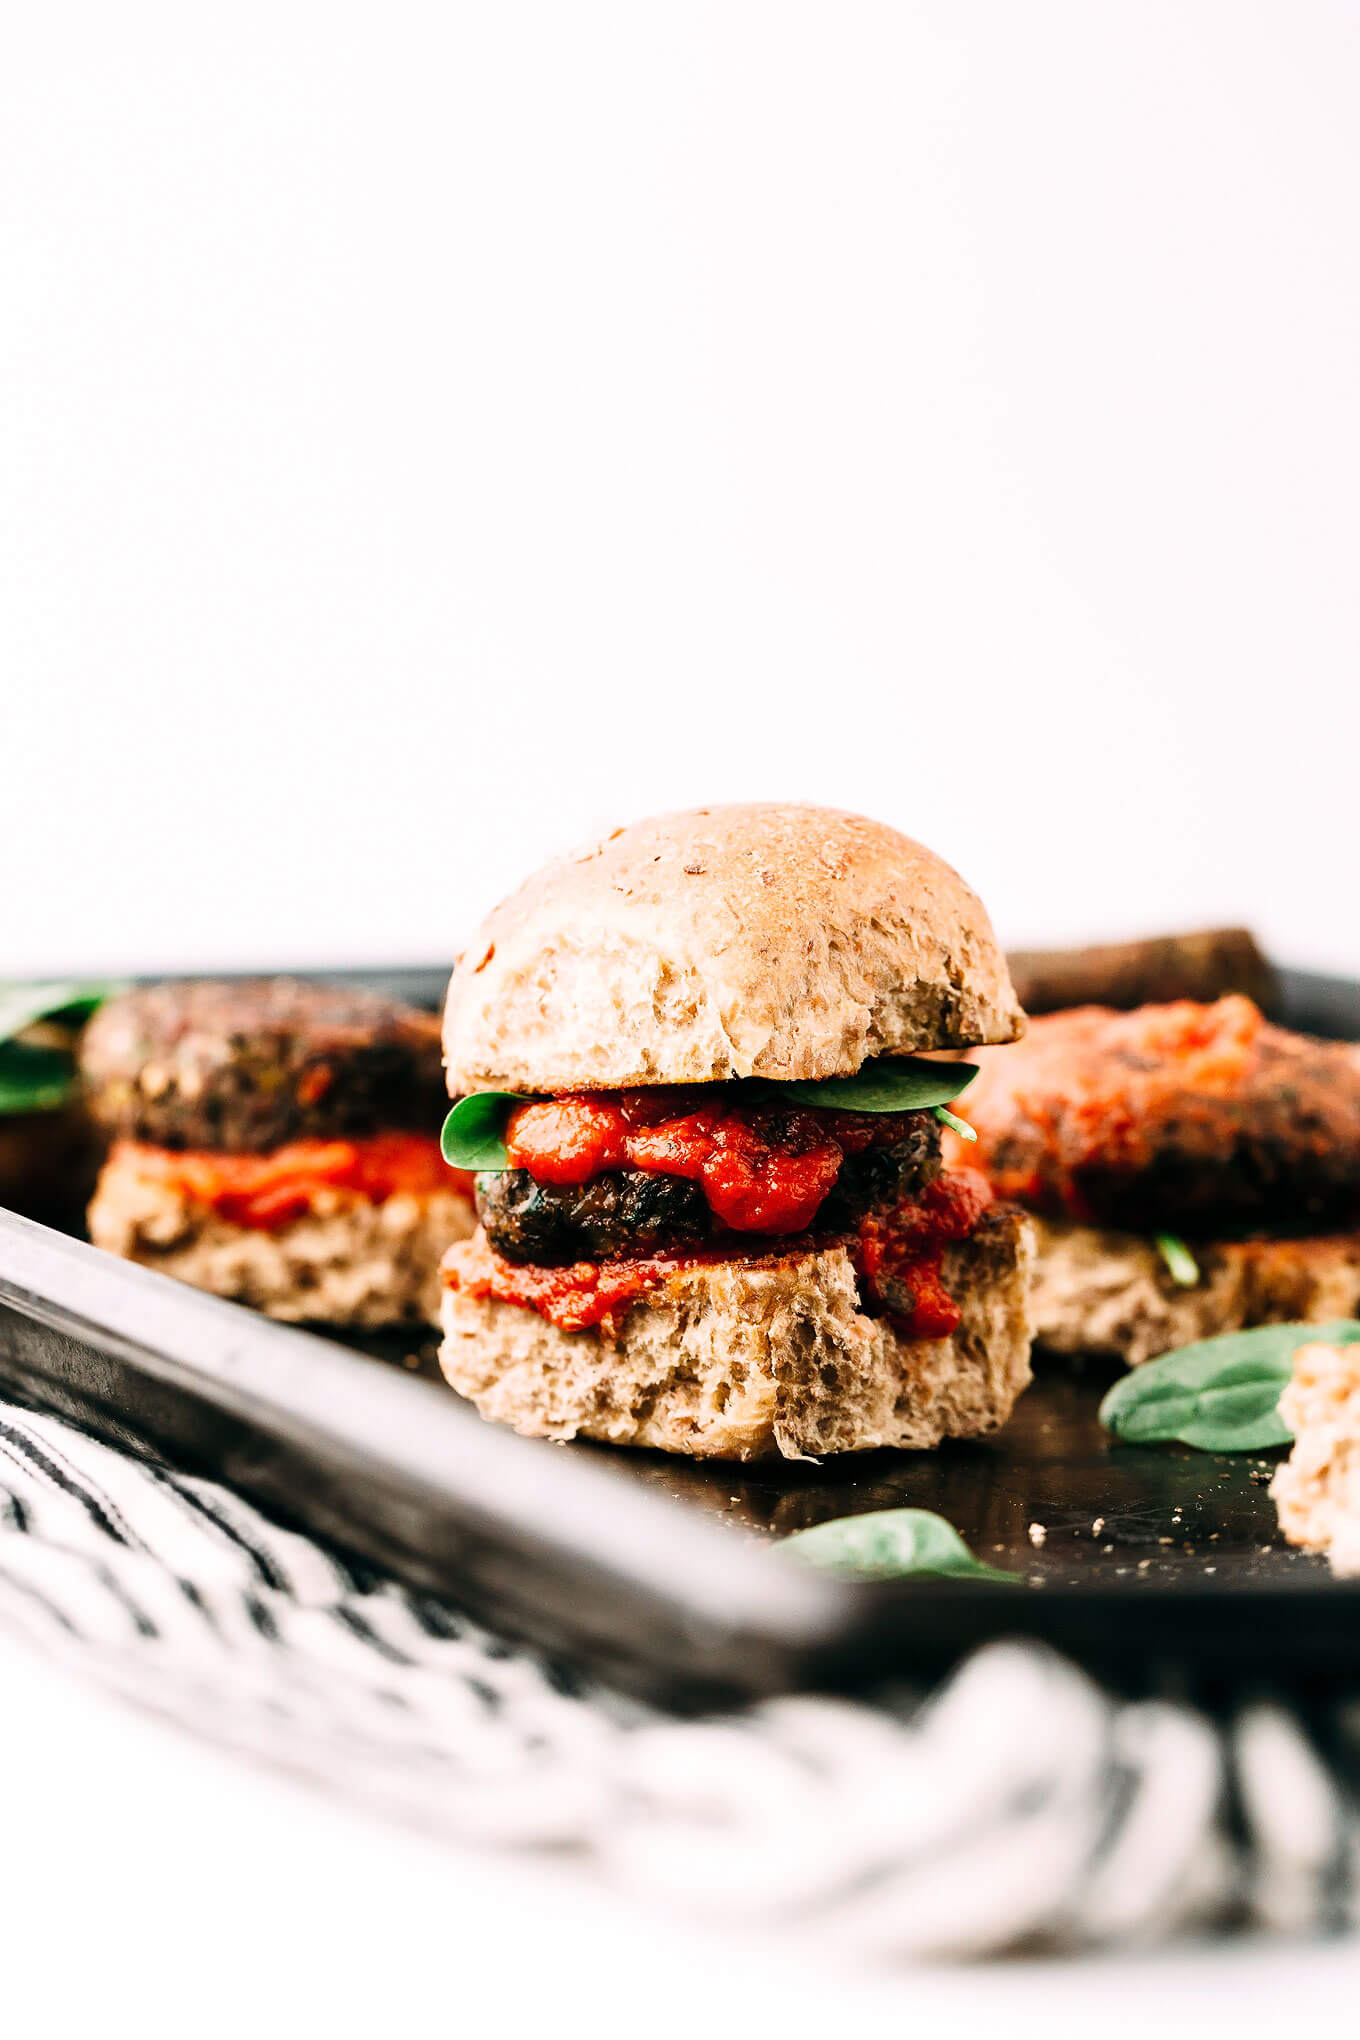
948	1118
1219	1394
474	1132
890	1544
1181	1263
904	1083
54	999
36	1077
33	1079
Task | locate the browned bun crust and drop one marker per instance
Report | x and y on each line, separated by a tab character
750	1360
776	941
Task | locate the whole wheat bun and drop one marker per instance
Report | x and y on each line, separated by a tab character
1111	1292
749	1360
774	941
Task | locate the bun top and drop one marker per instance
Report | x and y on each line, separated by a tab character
771	941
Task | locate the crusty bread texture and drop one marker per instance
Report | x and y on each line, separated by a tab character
750	1360
1111	1292
1317	1489
347	1262
775	941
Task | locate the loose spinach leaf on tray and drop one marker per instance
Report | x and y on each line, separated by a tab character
474	1132
1221	1394
892	1544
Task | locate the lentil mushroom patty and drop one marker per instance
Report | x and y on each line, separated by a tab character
635	1211
1202	1119
249	1065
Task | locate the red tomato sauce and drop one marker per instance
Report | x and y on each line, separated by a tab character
1089	1086
897	1257
270	1190
761	1170
899	1254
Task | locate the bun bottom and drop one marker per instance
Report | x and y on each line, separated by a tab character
737	1360
1111	1293
352	1263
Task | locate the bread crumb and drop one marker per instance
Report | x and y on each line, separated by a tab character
1317	1490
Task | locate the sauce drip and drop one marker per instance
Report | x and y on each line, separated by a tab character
762	1169
266	1191
897	1257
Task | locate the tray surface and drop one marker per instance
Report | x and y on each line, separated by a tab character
1052	1496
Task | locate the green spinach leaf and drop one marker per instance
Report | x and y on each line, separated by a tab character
890	1544
56	999
1180	1262
1221	1394
33	1079
905	1083
36	1077
474	1132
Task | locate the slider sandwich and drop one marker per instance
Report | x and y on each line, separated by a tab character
713	1214
277	1143
1191	1168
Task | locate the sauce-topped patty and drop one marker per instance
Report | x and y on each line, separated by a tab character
627	1172
1202	1119
897	1255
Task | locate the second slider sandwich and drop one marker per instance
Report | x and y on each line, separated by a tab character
713	1214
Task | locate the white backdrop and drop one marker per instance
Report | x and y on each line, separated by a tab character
428	432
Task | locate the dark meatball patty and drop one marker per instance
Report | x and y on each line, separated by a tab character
250	1065
633	1211
1203	1120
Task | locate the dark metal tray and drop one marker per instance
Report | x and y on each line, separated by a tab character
1148	1563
